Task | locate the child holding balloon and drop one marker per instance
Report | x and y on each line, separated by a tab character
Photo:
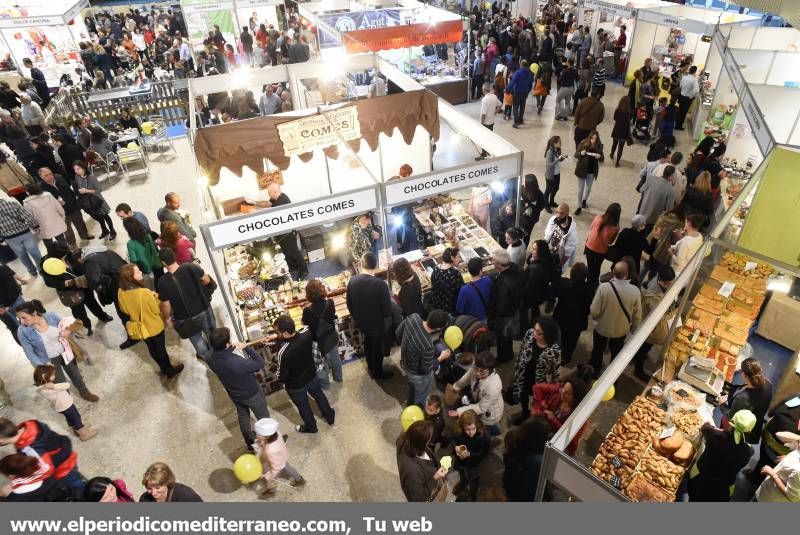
472	444
274	456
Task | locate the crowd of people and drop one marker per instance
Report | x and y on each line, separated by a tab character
539	295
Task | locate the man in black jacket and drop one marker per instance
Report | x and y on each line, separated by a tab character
236	373
370	306
59	188
10	297
298	373
69	153
247	43
505	303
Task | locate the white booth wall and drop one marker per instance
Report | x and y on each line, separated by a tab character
763	38
780	107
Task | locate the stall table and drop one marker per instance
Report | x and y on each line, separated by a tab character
779	322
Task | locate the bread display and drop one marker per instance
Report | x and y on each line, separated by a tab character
712	306
642	490
668	446
660	471
684	455
688	422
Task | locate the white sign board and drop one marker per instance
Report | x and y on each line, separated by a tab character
610	7
737	80
256	3
428	185
757	123
321	130
201	8
688	25
283	219
45	20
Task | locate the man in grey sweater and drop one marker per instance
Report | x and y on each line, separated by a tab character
418	352
658	196
616	310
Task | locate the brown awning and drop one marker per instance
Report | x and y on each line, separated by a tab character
248	142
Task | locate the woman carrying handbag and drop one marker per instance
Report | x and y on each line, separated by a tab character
145	323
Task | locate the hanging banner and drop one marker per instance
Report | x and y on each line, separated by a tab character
610	7
407	35
737	80
284	219
320	131
268	177
354	20
428	185
756	120
688	25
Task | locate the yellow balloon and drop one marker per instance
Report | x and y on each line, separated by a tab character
609	395
247	468
453	337
411	414
54	267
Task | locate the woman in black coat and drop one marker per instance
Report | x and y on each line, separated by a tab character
322	310
66	285
622	129
541	273
420	474
410	295
726	452
524	447
532	205
754	395
572	311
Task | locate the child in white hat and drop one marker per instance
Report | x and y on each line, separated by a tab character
271	450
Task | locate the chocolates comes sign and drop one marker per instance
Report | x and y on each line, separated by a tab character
320	130
283	219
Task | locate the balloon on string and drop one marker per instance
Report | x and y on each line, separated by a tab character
247	468
411	414
54	267
609	394
453	337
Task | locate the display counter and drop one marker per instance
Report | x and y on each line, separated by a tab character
780	321
713	309
452	89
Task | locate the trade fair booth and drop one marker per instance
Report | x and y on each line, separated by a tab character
47	33
609	15
759	55
423	41
735	299
202	15
337	162
264	11
672	34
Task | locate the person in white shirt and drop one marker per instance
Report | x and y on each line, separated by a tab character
377	87
490	106
32	116
686	247
783	481
690	87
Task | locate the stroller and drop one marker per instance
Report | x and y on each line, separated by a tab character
641	127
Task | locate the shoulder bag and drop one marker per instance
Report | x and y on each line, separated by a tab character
325	335
480	296
188	327
619	300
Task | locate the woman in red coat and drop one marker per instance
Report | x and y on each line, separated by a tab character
556	401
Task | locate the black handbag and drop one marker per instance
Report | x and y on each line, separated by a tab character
188	327
71	298
89	203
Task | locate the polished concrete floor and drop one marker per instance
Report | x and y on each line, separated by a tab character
190	423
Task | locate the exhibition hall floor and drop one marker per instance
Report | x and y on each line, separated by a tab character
190	423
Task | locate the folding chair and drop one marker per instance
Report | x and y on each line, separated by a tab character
130	157
108	164
158	137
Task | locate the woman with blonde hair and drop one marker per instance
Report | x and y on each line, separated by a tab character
145	322
172	238
698	199
160	486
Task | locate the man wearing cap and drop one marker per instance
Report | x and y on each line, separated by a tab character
235	365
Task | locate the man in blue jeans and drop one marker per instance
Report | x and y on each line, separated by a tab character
520	85
418	353
15	229
183	292
235	365
298	373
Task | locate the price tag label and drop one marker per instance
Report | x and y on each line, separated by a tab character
726	289
616	481
667	432
750	266
616	462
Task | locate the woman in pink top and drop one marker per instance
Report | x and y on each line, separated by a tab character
172	238
601	235
271	450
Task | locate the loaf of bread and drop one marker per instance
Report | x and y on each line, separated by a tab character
683	456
